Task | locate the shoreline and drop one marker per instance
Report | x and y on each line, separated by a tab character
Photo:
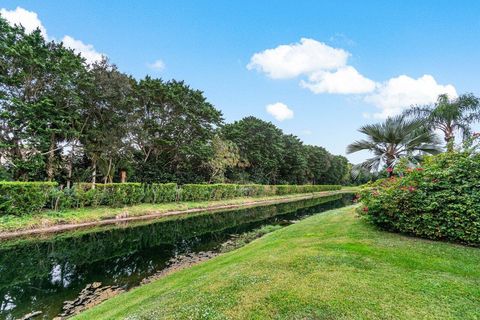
58	228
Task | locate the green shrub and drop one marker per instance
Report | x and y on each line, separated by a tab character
257	190
441	200
206	192
19	198
160	192
110	194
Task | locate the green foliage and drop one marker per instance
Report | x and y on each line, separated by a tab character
18	198
110	194
205	192
276	158
441	200
262	144
225	156
449	115
160	193
64	120
394	139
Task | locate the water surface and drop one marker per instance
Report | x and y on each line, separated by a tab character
40	274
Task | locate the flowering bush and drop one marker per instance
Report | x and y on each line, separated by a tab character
441	200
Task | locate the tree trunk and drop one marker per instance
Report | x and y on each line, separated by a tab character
94	172
449	138
123	176
51	157
70	167
108	177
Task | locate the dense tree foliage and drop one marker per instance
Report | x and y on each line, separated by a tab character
66	121
274	157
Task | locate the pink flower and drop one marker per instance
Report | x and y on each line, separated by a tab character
411	189
389	169
365	209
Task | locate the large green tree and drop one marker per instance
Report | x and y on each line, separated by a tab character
293	168
262	144
39	100
172	133
107	107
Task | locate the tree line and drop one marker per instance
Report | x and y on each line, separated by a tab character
64	120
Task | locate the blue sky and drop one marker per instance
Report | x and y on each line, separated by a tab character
358	62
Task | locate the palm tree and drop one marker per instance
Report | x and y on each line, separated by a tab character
449	115
396	138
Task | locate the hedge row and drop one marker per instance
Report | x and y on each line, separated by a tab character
20	198
205	192
440	200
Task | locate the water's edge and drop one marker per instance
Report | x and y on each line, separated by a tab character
38	274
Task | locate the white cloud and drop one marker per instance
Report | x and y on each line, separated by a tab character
158	65
86	50
292	60
397	94
346	80
28	19
324	69
279	111
307	132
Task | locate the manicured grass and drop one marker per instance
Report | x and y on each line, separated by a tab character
44	219
329	266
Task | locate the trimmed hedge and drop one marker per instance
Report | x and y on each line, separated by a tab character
29	197
160	192
18	198
205	192
110	194
441	200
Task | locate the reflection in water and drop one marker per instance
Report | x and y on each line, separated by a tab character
39	274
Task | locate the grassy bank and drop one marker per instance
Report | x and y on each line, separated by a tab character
45	219
329	266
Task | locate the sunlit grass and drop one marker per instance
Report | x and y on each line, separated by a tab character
329	266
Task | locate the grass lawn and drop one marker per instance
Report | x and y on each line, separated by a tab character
47	218
329	266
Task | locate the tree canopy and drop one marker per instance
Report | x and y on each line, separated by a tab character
65	120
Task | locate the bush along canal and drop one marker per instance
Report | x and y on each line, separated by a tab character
66	273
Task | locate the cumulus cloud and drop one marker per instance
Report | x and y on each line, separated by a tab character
325	69
293	60
158	65
397	94
86	50
28	19
279	111
346	80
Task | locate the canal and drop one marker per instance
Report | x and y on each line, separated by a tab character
40	273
